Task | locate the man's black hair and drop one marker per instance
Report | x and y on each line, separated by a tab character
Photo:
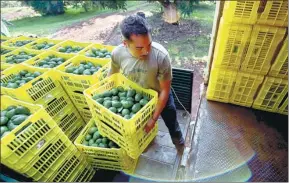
134	24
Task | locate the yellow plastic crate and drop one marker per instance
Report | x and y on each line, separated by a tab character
243	12
275	13
98	46
82	173
6	48
43	40
70	43
16	52
245	89
221	85
11	42
280	65
271	94
86	174
30	138
79	83
105	158
134	144
261	48
283	109
230	45
69	120
4	38
35	91
69	169
35	60
80	103
5	66
125	126
55	106
48	161
85	113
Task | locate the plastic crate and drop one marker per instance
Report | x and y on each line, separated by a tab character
43	40
243	12
271	94
105	158
50	159
30	138
125	126
230	45
83	173
6	48
245	89
4	38
275	13
71	163
68	120
261	48
16	52
14	40
86	174
35	60
280	65
85	113
134	144
73	82
5	66
98	46
57	104
283	109
70	43
37	90
221	85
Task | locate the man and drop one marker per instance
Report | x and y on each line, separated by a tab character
148	64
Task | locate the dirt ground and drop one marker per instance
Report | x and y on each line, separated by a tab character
18	13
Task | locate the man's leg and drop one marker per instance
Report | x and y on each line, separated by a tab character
169	116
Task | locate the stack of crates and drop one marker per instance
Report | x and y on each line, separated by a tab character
38	148
45	90
250	64
129	134
75	84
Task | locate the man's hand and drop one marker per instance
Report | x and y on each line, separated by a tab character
150	125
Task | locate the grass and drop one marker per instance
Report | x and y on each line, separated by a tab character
45	25
197	46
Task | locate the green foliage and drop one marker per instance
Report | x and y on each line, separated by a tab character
97	4
186	7
47	7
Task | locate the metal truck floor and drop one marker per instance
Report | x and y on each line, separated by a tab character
233	143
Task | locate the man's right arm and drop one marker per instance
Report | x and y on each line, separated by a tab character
114	65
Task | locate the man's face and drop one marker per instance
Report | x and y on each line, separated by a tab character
139	45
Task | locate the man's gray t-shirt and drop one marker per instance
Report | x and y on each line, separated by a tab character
147	73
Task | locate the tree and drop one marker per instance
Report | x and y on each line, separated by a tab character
47	7
172	8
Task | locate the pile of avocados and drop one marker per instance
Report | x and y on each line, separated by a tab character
84	68
70	49
125	103
20	79
98	53
50	62
19	58
11	117
94	139
42	46
20	43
